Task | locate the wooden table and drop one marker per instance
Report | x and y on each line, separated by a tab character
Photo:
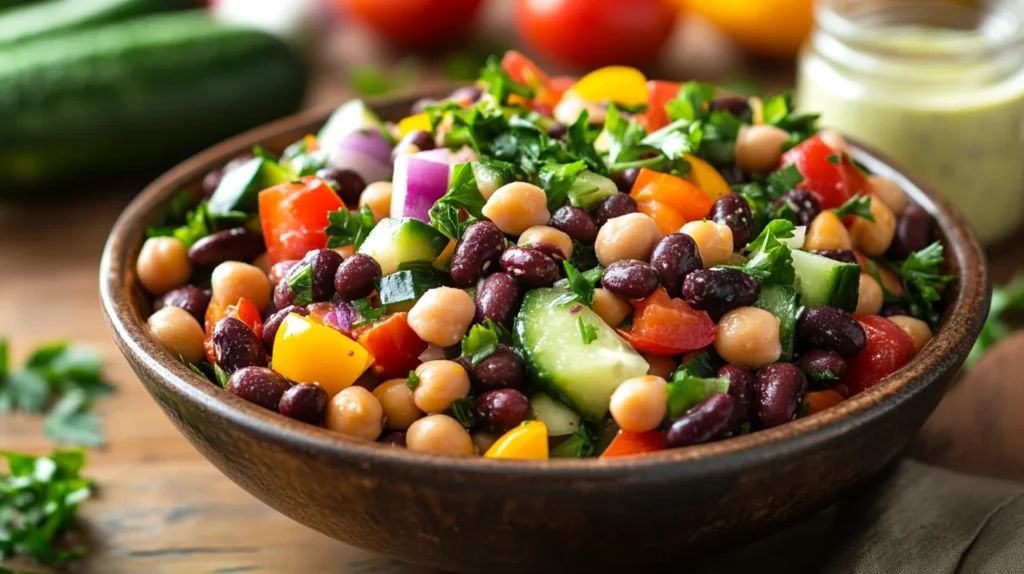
160	507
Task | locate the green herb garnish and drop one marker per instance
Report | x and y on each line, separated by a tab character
412	381
301	284
826	375
588	334
500	84
578	445
480	342
857	206
367	312
462	192
770	260
581	288
923	283
463	410
349	228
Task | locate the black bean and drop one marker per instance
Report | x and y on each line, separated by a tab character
913	232
190	298
576	223
675	257
476	253
356	276
304	402
470	93
502	409
503	369
741	389
498	298
237	244
323	266
615	206
625	179
719	290
236	346
844	255
822	367
557	131
738	106
531	267
394	438
259	385
283	295
710	420
893	309
734	175
630	279
733	210
804	205
831	328
346	182
422	140
273	323
780	389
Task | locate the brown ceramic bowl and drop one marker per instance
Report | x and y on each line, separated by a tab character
473	514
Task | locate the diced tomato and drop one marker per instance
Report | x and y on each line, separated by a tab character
394	346
667	219
521	69
666	326
675	192
818	401
244	310
294	216
660	93
628	443
551	93
828	174
888	349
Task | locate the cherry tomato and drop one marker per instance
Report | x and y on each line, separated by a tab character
589	34
818	401
415	23
628	443
661	92
294	216
666	326
888	349
829	175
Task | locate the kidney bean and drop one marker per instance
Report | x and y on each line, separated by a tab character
304	402
675	257
893	309
190	298
236	346
710	420
273	323
615	206
558	131
844	255
719	290
625	179
283	295
502	370
913	230
394	438
530	266
259	385
551	250
735	105
630	279
733	210
498	298
346	182
576	223
818	363
502	409
476	252
833	329
238	244
780	389
356	276
419	138
804	205
323	266
471	93
741	389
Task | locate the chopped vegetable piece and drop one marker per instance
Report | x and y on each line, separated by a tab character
628	443
888	349
294	217
817	401
306	352
682	196
666	326
394	346
527	441
619	84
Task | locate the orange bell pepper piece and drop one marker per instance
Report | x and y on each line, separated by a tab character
818	401
619	84
667	219
675	192
706	178
528	441
394	346
307	352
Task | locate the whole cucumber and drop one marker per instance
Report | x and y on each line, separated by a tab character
135	96
41	19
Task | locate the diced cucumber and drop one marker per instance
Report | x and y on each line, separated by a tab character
583	376
490	175
780	300
240	188
394	241
352	116
703	364
401	289
824	281
589	189
686	391
559	419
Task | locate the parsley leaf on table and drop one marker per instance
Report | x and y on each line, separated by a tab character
857	206
1005	299
348	228
923	283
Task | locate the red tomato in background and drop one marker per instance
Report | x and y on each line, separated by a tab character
666	326
593	33
888	349
628	443
413	24
832	183
294	216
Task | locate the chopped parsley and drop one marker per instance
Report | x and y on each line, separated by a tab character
769	259
923	283
557	178
349	228
857	206
301	284
463	410
579	444
581	287
778	111
481	341
412	381
367	312
588	334
826	375
500	84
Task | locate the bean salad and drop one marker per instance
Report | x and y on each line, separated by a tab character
548	267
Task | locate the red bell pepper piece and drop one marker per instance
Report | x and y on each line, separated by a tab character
666	326
628	443
828	174
294	216
522	70
661	92
888	348
394	346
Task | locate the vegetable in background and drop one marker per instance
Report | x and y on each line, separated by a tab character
766	27
1006	299
50	17
414	24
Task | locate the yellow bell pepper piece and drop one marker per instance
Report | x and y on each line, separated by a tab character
417	122
307	352
706	178
527	441
619	84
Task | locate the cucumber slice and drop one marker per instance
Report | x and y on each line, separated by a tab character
780	300
703	364
490	175
559	419
394	241
824	281
583	376
240	188
352	116
400	290
589	189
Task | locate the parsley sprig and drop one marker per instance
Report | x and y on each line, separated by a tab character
769	259
857	206
349	228
1006	299
581	285
482	340
923	283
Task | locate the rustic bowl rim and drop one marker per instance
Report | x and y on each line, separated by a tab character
960	326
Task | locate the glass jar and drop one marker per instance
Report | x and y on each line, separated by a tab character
936	85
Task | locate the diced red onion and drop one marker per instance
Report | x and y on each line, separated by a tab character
369	142
345	314
420	180
365	152
439	155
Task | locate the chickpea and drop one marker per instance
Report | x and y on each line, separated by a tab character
233	280
612	309
888	192
916	328
439	434
378	196
570	107
759	148
163	265
396	399
355	412
874	238
179	332
442	316
640	404
834	140
545	234
869	295
630	236
441	382
827	232
714	241
661	366
516	207
749	336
